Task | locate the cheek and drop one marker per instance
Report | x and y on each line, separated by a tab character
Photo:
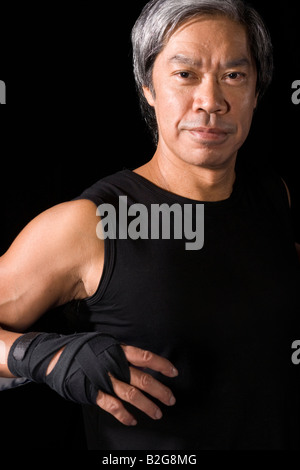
244	111
171	107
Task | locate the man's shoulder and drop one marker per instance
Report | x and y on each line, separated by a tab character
109	188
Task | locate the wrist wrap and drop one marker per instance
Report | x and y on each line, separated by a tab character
82	369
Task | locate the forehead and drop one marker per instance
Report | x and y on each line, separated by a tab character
209	36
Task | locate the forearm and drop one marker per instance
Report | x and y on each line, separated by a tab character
7	338
94	368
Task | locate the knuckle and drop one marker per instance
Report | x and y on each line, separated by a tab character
131	394
108	403
145	380
147	356
113	407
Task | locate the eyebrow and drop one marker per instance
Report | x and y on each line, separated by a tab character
185	60
242	62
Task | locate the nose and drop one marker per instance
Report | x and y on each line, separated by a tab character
209	97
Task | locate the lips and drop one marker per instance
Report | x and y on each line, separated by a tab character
209	134
209	130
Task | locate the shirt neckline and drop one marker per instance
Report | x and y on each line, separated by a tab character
169	196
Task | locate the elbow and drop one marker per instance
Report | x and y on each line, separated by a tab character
12	323
11	318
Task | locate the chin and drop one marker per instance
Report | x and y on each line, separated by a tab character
211	160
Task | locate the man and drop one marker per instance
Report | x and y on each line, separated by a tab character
225	314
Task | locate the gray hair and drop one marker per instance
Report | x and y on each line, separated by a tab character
161	18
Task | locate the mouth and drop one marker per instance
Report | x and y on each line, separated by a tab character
208	134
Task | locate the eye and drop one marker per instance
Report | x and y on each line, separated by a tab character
184	75
236	76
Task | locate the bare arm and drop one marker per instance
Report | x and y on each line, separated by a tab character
55	259
48	263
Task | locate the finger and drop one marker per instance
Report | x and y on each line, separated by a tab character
114	407
135	397
140	358
150	385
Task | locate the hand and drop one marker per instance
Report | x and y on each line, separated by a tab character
140	381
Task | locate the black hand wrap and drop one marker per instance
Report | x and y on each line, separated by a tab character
82	369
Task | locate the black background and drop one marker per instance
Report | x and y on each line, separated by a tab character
72	117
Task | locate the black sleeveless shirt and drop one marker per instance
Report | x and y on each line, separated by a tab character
225	315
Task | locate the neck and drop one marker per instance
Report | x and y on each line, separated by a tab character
190	181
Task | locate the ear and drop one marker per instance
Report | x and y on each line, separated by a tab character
148	95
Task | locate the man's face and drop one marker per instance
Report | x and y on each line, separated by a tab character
205	92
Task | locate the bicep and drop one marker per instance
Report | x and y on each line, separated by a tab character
43	267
